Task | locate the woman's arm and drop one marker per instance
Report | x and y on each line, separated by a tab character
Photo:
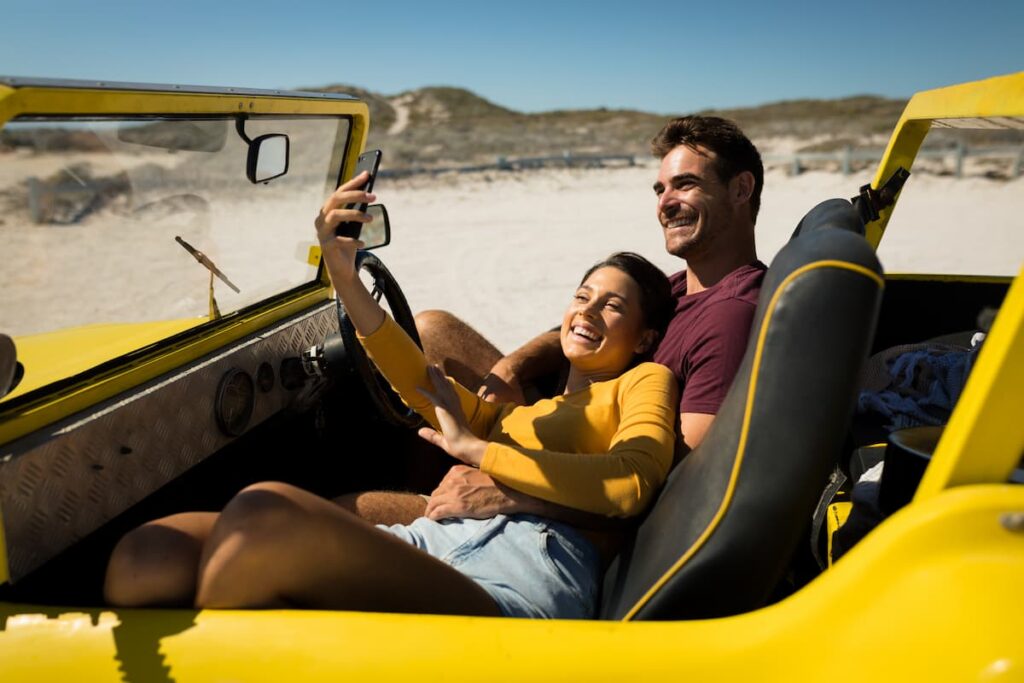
339	253
619	483
391	349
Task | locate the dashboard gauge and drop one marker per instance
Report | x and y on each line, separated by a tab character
265	377
236	398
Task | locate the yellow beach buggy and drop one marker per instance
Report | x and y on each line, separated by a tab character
167	336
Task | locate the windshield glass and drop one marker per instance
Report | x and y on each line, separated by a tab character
118	232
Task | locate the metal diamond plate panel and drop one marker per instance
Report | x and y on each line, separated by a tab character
57	487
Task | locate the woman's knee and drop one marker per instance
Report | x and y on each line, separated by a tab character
261	511
153	564
261	534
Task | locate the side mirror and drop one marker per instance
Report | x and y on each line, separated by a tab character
376	233
268	158
11	371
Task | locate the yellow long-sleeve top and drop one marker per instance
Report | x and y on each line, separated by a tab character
604	449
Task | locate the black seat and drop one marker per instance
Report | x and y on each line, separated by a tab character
725	527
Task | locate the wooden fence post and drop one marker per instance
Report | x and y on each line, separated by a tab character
34	204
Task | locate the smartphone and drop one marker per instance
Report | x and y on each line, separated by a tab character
368	161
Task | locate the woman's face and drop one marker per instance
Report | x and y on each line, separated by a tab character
604	325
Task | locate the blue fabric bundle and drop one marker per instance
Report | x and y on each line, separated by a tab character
925	385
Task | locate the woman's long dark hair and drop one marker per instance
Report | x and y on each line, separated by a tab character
656	301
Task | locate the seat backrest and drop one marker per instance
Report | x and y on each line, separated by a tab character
727	523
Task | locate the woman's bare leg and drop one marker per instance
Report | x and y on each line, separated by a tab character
277	545
157	563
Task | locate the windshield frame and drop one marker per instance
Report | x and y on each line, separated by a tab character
44	97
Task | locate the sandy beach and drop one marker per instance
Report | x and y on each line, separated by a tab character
502	250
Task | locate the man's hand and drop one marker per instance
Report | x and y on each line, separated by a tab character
468	492
501	385
455	437
539	356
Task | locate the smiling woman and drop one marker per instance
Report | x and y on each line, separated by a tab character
615	315
604	446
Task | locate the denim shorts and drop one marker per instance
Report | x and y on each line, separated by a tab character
530	566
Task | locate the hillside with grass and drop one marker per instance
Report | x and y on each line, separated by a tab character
438	126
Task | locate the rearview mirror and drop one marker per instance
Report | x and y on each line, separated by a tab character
268	158
376	233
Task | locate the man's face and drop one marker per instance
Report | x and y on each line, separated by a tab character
693	203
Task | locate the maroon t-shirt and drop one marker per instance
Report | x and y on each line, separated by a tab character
705	341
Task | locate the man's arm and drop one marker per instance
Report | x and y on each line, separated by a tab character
693	427
467	492
540	356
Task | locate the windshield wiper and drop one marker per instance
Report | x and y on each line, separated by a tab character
205	261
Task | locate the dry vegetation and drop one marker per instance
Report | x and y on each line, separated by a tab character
445	126
452	126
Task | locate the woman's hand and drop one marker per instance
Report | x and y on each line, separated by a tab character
340	252
455	437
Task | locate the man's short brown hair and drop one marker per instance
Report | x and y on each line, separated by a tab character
734	152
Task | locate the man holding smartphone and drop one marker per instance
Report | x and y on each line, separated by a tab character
707	193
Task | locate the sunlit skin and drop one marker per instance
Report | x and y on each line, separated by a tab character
603	328
699	212
692	200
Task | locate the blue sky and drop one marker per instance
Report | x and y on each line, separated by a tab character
665	57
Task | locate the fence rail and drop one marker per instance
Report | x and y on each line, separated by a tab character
564	160
846	157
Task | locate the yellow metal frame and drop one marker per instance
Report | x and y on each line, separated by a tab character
836	517
94	344
984	439
24	419
945	277
1002	96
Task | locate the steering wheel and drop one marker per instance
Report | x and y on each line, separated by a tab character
383	397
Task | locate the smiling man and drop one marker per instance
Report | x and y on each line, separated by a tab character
708	192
